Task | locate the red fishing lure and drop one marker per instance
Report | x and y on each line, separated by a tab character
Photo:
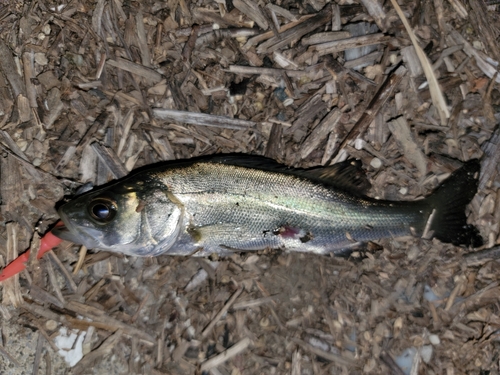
47	242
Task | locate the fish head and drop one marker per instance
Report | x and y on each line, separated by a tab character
134	218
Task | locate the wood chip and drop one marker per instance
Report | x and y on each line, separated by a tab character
401	132
136	69
202	119
343	44
252	11
234	350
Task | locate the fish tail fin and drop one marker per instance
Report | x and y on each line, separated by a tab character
448	222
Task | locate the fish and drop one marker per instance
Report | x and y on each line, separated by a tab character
231	203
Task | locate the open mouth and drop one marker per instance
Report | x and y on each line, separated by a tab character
61	231
65	231
70	231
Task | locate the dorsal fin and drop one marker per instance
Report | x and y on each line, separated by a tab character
347	175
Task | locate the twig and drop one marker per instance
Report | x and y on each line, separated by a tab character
215	35
28	66
274	147
195	118
273	72
53	282
41	295
81	259
459	8
477	258
190	44
8	66
374	8
142	38
406	143
453	295
326	355
484	26
485	295
298	31
48	364
234	350
110	160
87	138
354	42
281	11
38	354
325	37
427	233
13	147
11	288
252	11
136	69
387	359
320	133
100	319
243	305
69	279
222	311
6	354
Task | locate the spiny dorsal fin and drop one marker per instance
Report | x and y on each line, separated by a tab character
347	175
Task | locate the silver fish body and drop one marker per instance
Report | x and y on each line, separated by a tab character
229	204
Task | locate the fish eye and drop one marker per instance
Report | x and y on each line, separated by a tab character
103	210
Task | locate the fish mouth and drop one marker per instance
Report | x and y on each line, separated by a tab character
68	232
64	233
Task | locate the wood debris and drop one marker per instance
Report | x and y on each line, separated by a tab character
91	90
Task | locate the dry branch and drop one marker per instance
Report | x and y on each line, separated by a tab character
296	32
409	148
375	10
234	350
206	331
476	258
136	69
320	132
110	160
202	119
100	319
273	72
354	42
9	69
252	11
